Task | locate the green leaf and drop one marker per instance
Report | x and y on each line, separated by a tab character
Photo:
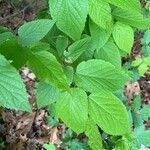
72	108
77	48
145	112
130	118
13	51
49	146
100	13
13	92
70	16
6	36
46	94
126	4
61	44
47	68
69	71
109	52
137	119
146	37
4	29
123	36
99	35
95	75
34	31
143	137
52	35
147	61
76	144
136	103
142	69
94	137
146	50
138	61
40	46
131	18
123	144
109	113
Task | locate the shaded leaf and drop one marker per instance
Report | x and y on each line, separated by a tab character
46	94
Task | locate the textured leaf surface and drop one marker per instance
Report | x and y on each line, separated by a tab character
123	144
69	71
143	137
99	35
70	16
126	4
94	137
49	146
95	75
47	68
100	13
12	90
146	37
61	44
109	52
145	112
6	36
13	51
34	31
77	48
72	108
123	36
40	46
46	94
131	18
109	113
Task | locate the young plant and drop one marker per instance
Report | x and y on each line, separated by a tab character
76	55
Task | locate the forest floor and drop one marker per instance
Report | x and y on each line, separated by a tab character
21	130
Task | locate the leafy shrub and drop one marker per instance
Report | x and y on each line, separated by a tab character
76	55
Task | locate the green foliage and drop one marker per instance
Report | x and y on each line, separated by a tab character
14	52
77	48
34	31
45	94
99	35
142	64
47	68
49	146
113	121
95	75
126	5
132	18
110	53
76	55
12	89
145	112
100	13
124	36
146	43
142	137
72	108
95	140
70	16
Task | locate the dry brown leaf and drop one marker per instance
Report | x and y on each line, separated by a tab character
54	137
26	122
131	90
